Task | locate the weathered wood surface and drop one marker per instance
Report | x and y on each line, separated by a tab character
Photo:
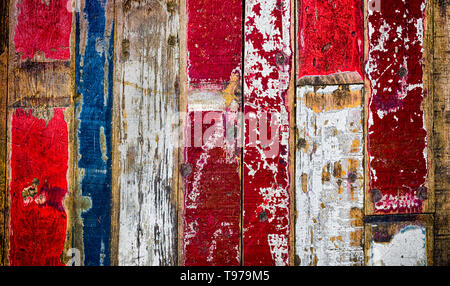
4	199
330	41
396	120
393	240
441	130
329	175
145	116
268	72
89	106
39	124
212	154
93	115
34	65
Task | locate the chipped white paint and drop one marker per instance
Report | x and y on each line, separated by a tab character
328	226
278	244
406	248
145	75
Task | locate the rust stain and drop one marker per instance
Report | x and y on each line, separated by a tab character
341	98
355	146
356	237
356	215
326	173
229	93
304	182
338	172
353	165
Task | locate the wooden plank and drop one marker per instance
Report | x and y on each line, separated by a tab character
397	121
4	200
392	240
330	176
268	87
330	42
40	121
212	154
145	108
441	130
93	114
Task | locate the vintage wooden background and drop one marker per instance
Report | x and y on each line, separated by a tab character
206	132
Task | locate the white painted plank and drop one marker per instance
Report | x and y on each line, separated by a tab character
329	176
145	88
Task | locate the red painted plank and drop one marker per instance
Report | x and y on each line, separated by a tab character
43	27
212	206
396	132
39	150
267	62
330	37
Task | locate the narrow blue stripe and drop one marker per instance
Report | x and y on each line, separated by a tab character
95	114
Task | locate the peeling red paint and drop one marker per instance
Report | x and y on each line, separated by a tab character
266	175
39	150
43	27
396	132
214	45
330	37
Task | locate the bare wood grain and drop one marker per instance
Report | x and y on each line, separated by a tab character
441	129
4	212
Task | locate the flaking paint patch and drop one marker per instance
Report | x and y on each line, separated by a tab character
329	212
267	74
405	248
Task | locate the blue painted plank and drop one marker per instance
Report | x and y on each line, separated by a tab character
94	112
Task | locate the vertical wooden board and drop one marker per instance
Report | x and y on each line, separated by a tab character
145	114
212	154
329	176
39	128
266	178
93	112
392	240
441	130
396	120
4	212
330	41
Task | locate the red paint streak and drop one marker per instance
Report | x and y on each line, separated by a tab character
397	139
214	44
266	179
330	37
43	28
38	150
212	199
